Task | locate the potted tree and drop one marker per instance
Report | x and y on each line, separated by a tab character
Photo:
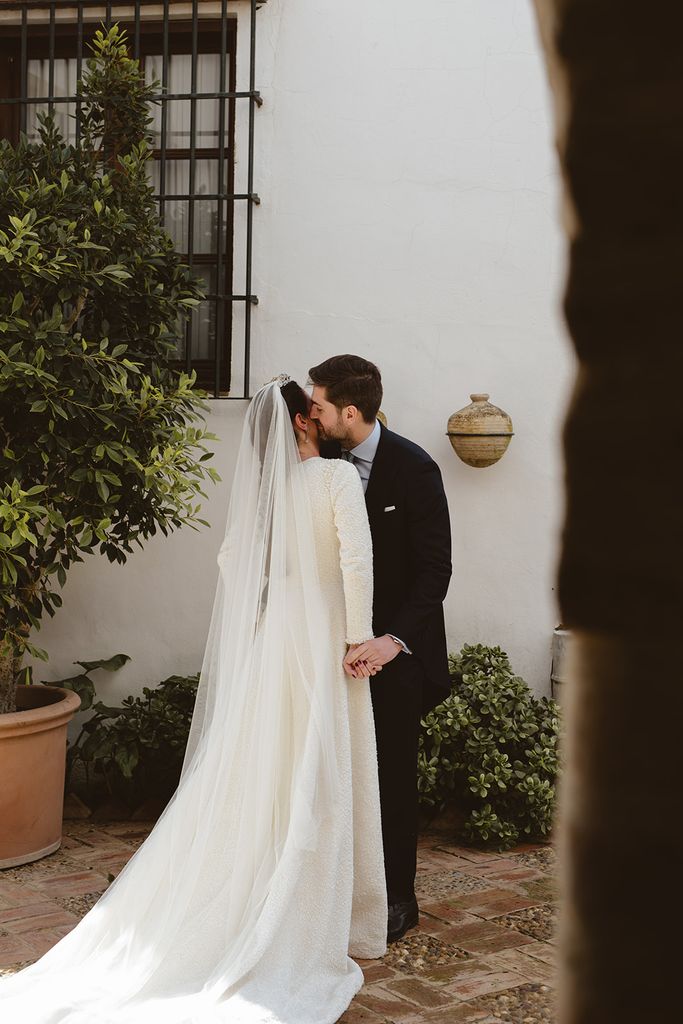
98	447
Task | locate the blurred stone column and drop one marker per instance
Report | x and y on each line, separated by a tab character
616	69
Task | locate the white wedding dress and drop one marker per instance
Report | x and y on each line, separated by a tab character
265	870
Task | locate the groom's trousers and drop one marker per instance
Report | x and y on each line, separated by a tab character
397	701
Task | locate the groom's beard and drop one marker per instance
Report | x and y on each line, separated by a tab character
337	434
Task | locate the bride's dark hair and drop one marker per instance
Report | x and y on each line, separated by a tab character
296	399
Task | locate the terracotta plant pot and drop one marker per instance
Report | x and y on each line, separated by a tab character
32	769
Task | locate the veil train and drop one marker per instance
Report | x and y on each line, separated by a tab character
177	933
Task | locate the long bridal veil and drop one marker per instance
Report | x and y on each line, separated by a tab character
191	913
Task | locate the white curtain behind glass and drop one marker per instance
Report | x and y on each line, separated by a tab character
178	137
177	174
64	85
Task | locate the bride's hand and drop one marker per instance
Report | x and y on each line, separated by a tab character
360	669
376	652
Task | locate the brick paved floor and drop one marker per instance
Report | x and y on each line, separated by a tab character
484	950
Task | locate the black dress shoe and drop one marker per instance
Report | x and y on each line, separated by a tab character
402	917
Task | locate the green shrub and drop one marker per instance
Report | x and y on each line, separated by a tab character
137	749
491	750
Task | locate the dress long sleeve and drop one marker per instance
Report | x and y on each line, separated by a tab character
355	549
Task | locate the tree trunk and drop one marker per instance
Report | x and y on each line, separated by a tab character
10	664
617	76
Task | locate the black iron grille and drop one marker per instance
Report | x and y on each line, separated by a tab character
191	49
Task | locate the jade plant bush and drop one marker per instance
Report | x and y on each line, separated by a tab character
491	751
99	442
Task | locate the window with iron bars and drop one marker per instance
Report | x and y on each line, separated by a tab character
190	48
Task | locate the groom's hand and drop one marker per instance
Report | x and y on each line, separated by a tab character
373	653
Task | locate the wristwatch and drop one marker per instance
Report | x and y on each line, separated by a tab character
399	643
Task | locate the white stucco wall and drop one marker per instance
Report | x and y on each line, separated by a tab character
409	214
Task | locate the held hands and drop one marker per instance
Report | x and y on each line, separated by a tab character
357	669
363	660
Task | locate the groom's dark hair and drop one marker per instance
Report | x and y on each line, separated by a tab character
350	380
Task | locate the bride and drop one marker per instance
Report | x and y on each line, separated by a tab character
264	874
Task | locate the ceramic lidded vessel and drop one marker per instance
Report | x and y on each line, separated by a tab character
480	433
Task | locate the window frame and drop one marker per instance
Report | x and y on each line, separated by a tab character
49	39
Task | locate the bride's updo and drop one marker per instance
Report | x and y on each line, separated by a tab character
296	399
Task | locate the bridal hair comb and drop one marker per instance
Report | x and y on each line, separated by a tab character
281	379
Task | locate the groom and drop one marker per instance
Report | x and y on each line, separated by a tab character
411	541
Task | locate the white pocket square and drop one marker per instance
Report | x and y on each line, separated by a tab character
390	508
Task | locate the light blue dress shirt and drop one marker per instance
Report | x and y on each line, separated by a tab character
363	455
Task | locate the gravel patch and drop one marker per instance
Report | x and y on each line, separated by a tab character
6	972
43	868
546	859
440	885
526	1004
78	904
418	952
538	922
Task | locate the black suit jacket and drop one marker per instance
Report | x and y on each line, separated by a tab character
411	538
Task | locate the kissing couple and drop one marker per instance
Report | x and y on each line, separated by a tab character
289	846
